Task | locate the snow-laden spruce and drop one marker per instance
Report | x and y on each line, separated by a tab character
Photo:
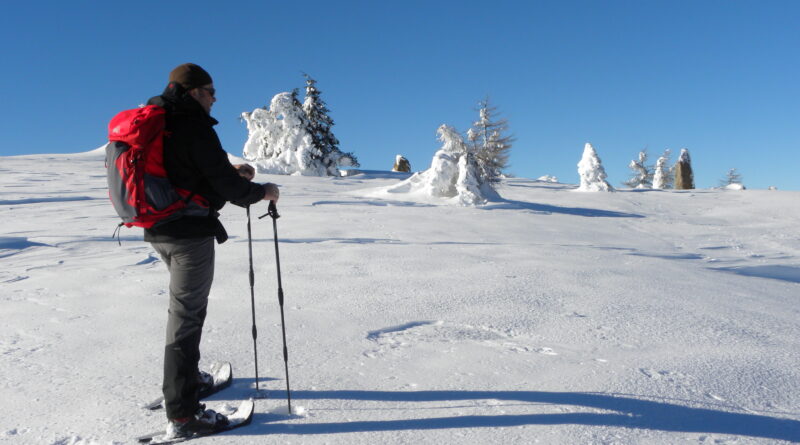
293	138
453	176
592	173
662	176
489	144
320	126
642	173
732	181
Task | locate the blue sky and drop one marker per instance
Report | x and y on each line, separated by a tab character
721	78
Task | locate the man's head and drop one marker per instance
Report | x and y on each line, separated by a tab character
197	82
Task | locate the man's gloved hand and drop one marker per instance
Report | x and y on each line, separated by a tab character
245	171
272	192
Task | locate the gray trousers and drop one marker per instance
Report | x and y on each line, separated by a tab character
190	263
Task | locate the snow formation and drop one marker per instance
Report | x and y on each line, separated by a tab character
548	178
452	177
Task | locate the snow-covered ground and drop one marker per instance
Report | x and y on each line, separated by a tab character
553	317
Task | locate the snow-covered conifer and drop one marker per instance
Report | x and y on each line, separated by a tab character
467	184
319	125
592	173
684	178
443	172
280	141
662	176
453	175
490	145
642	173
732	180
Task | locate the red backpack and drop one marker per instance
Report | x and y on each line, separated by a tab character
137	182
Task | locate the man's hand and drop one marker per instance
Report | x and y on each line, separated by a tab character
271	192
245	171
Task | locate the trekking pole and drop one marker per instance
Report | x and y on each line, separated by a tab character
252	297
273	212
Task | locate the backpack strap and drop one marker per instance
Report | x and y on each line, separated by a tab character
117	233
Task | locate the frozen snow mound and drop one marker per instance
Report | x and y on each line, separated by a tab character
452	177
734	186
279	141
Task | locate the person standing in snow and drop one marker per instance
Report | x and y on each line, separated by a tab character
194	160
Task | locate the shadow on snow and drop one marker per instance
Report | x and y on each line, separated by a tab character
629	412
46	200
774	272
546	208
500	203
374	203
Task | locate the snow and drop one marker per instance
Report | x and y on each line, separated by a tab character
544	316
548	178
734	186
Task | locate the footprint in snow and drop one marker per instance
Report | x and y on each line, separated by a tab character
151	258
394	339
546	351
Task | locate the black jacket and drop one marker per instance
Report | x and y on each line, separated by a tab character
195	161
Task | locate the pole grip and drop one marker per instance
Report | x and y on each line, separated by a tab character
272	211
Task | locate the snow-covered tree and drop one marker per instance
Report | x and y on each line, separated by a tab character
443	173
592	173
684	178
291	137
453	175
279	142
642	173
467	183
732	180
489	144
319	125
662	176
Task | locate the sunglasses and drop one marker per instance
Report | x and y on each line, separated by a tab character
210	91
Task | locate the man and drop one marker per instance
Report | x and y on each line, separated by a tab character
195	161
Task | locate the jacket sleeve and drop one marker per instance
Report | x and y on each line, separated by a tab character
213	163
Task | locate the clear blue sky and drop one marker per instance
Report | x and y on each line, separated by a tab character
721	78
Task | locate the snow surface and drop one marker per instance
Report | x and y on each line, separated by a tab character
646	317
